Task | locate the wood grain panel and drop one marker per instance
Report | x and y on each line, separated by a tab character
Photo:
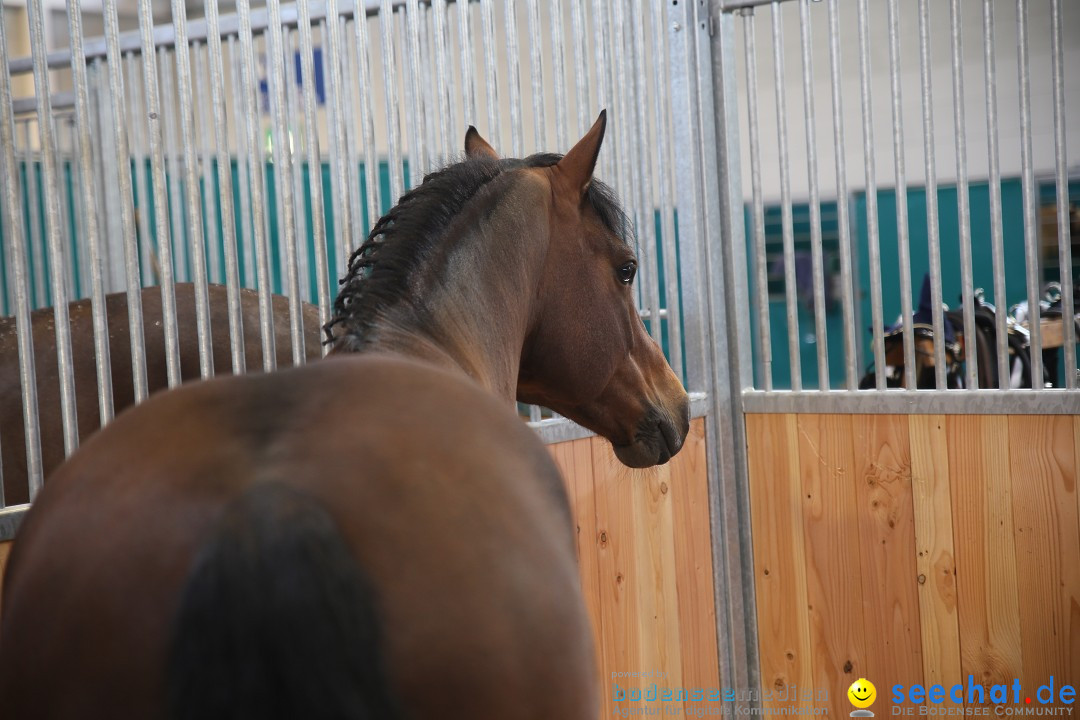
693	564
831	531
1043	468
779	554
935	555
986	582
886	513
617	536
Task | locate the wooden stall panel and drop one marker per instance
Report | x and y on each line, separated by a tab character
986	581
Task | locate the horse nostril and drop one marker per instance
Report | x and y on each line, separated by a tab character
673	439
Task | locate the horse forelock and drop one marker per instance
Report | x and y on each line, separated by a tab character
402	242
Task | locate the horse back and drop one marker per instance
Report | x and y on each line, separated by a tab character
448	503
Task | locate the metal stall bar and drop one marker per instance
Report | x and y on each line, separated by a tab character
55	243
971	379
205	155
393	151
191	182
465	43
243	171
228	234
933	233
619	129
367	123
761	280
821	341
847	302
138	137
996	233
176	189
581	74
297	141
19	273
873	239
558	71
903	248
314	157
536	70
514	80
491	80
1027	176
414	120
343	221
442	86
283	174
255	170
350	85
1064	234
88	190
429	137
662	109
787	229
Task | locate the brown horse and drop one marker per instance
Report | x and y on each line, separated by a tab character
12	428
376	535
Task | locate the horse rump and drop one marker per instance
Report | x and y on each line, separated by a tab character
277	620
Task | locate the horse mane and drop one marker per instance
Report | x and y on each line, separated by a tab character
403	239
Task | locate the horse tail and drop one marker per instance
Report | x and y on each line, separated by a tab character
277	620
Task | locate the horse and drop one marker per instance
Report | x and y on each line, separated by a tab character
12	426
377	534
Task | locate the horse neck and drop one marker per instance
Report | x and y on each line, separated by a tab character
474	302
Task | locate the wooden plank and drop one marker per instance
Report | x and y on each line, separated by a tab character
935	555
886	513
689	489
620	643
574	459
986	580
831	531
779	557
1042	464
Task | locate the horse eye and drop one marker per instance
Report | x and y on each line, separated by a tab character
627	273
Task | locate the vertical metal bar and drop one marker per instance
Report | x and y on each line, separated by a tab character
428	104
933	231
641	160
600	27
513	63
224	168
176	185
61	190
283	168
816	259
255	170
52	228
662	107
846	299
901	194
996	232
442	65
138	112
465	44
558	52
581	73
16	253
1027	176
88	192
873	239
314	158
205	155
349	86
536	68
491	80
243	170
962	200
37	243
297	142
794	358
187	135
332	72
418	161
367	124
393	151
1063	232
761	279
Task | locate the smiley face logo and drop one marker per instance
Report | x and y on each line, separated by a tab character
862	693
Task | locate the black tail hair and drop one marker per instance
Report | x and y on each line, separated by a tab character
277	620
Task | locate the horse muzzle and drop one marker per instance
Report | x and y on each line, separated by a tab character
658	437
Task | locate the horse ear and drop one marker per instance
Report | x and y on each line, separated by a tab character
577	165
476	146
